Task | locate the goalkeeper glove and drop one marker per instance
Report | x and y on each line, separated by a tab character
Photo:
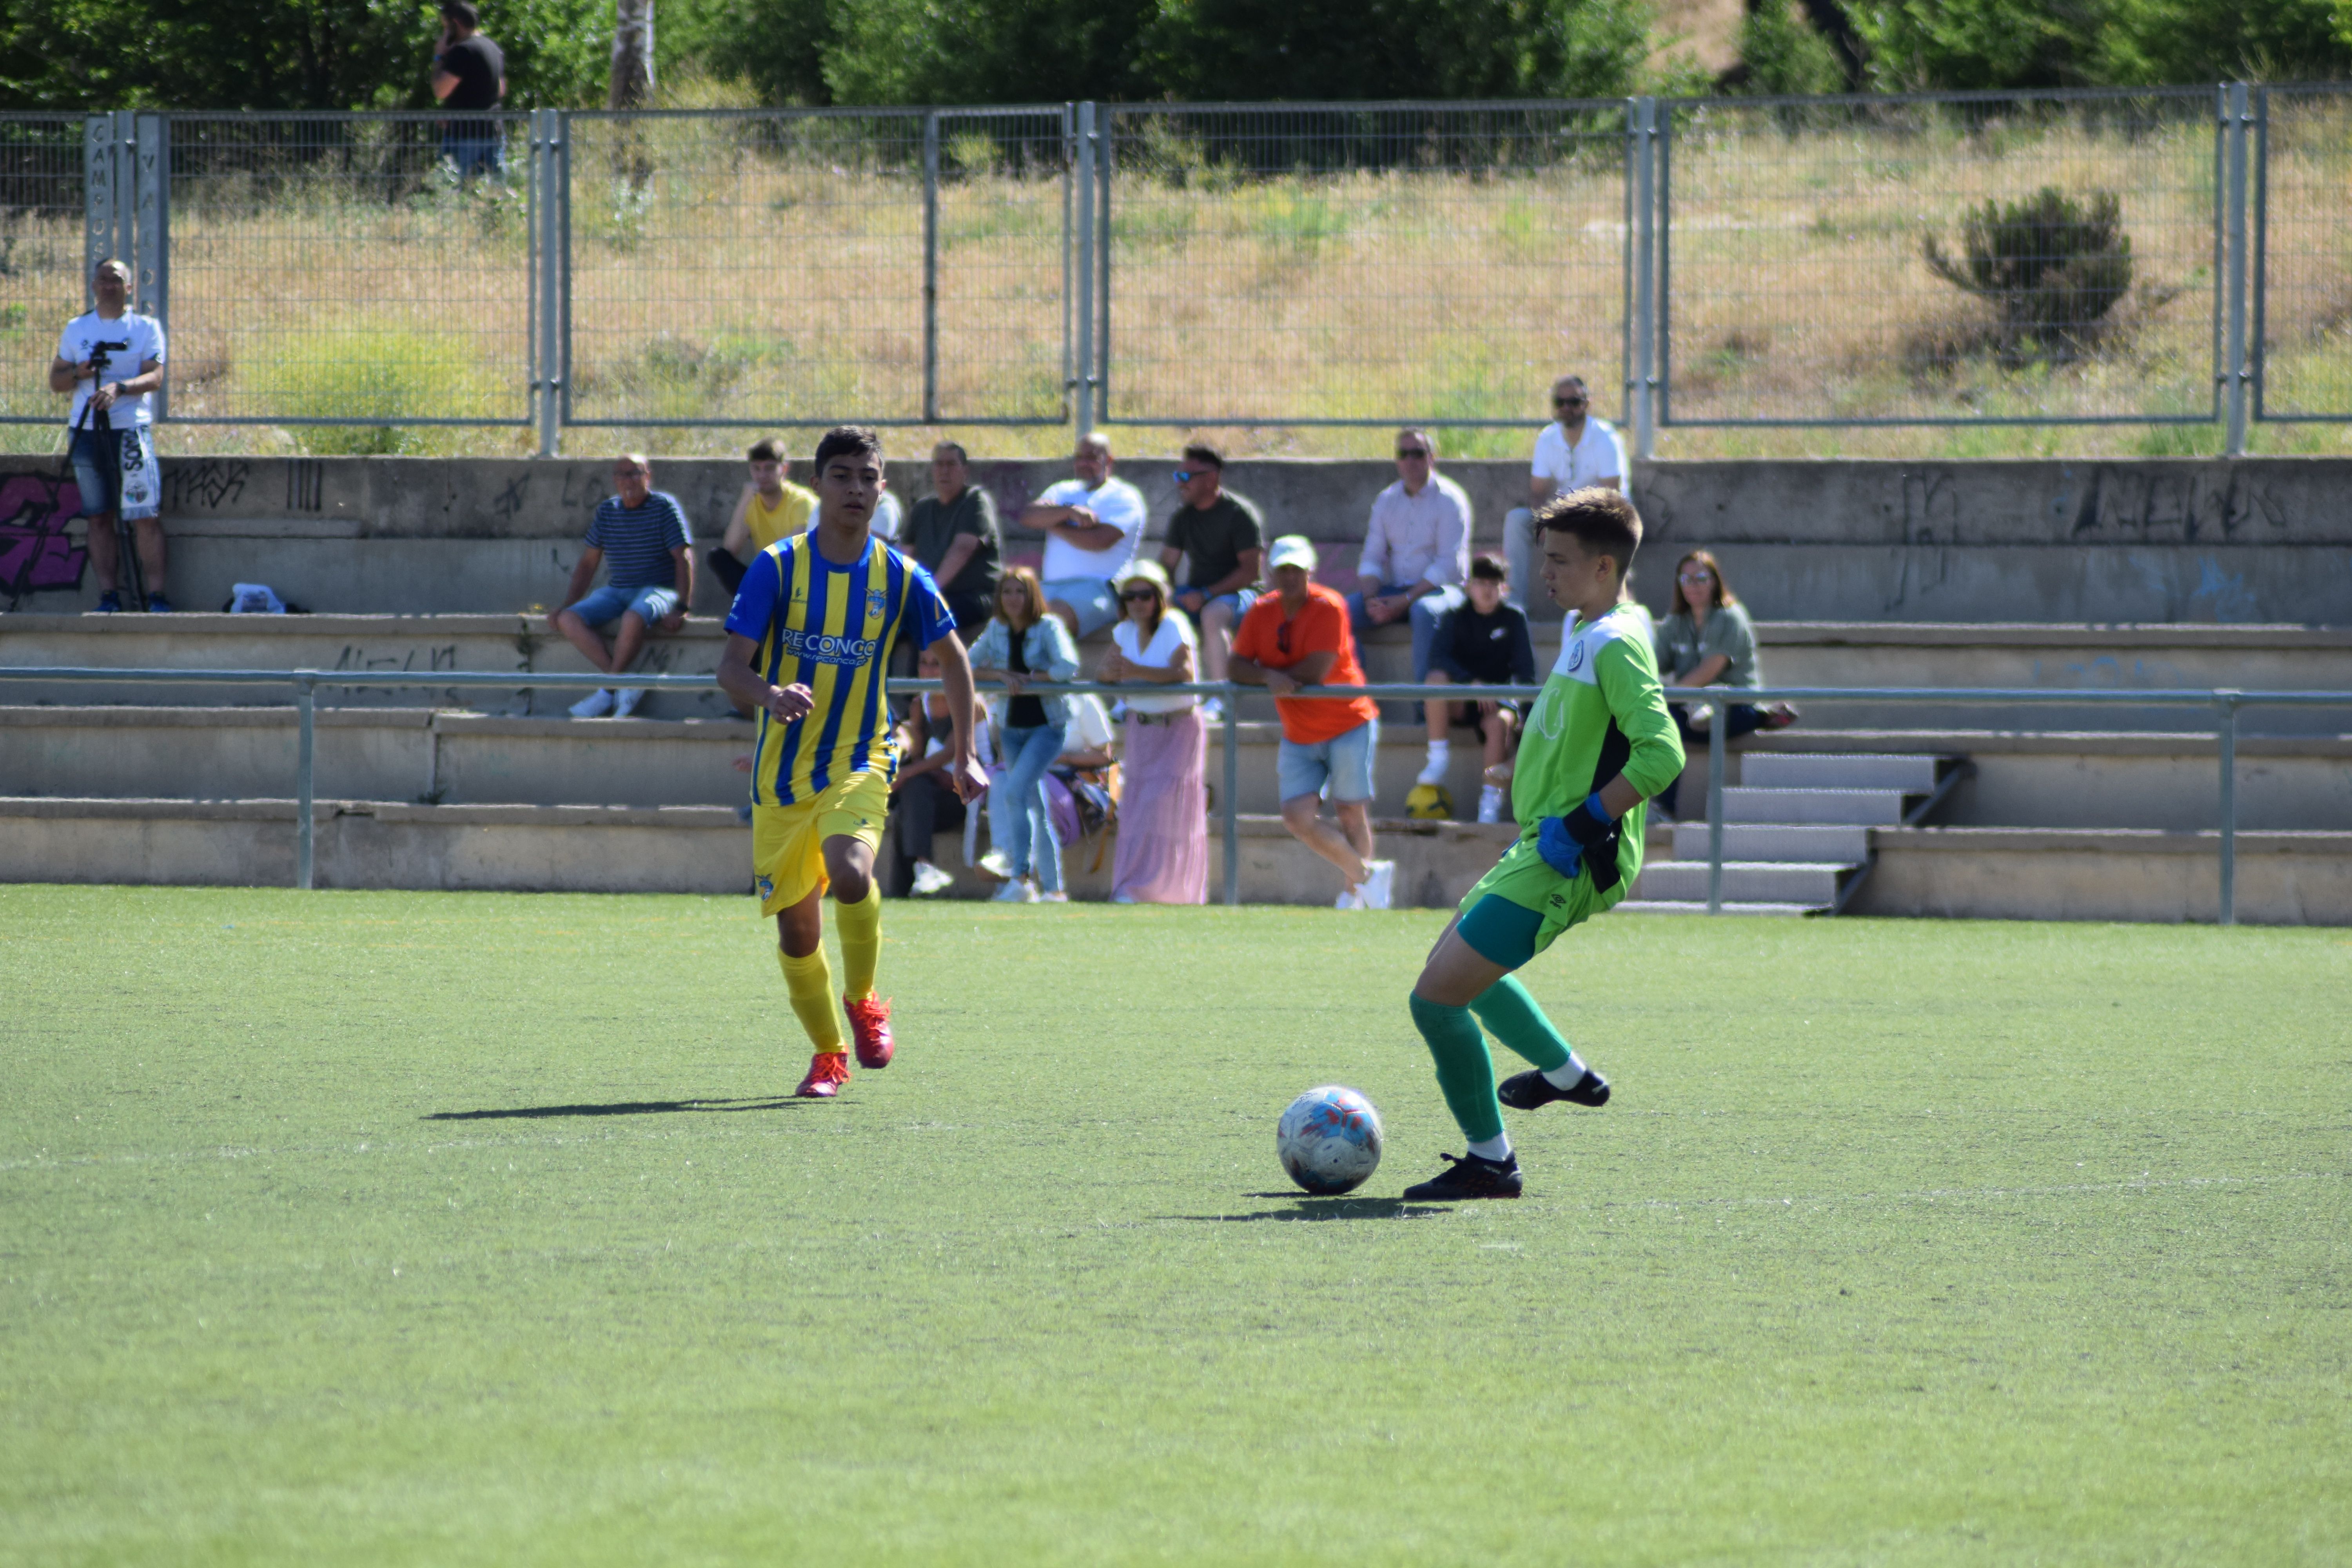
1562	840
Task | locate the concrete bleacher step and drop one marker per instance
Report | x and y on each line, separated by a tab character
1770	770
1686	907
1833	844
1871	807
1746	881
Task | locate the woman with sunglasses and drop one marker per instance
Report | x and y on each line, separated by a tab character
1021	643
1706	640
1164	808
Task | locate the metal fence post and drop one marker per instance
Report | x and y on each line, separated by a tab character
1641	408
2227	734
97	199
2235	283
551	187
305	778
1229	809
931	264
152	204
1715	810
1083	375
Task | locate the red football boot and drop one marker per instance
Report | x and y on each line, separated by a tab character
870	1026
828	1070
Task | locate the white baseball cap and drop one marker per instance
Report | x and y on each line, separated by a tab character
1293	550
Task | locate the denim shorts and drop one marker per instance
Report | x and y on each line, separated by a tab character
605	604
115	471
1345	761
1093	598
1239	601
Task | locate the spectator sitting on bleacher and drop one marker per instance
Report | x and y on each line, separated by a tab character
923	800
1483	642
1224	536
770	508
952	533
1576	449
1416	549
645	533
1092	525
1706	640
1298	636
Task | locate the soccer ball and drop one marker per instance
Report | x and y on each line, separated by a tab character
1429	803
1330	1140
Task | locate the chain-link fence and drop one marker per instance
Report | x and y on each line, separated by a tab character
1978	259
2302	321
41	285
1325	264
1973	259
365	270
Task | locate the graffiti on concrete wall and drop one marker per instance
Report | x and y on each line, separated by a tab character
203	486
36	555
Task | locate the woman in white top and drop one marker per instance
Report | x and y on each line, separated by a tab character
1163	809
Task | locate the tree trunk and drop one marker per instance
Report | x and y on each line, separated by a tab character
633	54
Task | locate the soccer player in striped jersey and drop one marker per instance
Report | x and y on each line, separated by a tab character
1598	744
808	643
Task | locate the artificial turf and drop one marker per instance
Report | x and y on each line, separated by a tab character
390	1228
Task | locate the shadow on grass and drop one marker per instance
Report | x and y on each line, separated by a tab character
1303	1208
623	1107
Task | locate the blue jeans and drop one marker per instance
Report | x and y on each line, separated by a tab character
608	604
1018	822
115	472
477	155
1424	615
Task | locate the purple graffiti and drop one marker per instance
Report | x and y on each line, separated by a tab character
36	556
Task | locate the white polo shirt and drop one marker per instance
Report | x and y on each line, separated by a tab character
1598	454
1114	502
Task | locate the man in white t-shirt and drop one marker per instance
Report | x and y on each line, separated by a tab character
1092	525
1574	450
112	360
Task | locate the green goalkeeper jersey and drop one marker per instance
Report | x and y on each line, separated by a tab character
1600	713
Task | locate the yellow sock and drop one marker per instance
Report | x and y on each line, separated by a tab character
809	981
859	926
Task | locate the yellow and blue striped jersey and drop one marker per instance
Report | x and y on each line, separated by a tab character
830	628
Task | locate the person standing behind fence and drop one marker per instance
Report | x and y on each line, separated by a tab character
1416	549
1576	449
645	533
1092	525
1224	536
953	535
1706	640
1021	643
770	508
108	439
1298	636
469	71
1163	806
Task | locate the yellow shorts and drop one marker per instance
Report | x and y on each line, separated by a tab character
788	841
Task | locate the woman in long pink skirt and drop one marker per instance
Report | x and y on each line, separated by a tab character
1163	806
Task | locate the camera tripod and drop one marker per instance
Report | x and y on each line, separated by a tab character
128	572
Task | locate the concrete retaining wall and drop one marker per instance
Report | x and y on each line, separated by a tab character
2257	540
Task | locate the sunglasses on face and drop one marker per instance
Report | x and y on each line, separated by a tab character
1568	403
1696	576
1404	452
1186	476
1134	595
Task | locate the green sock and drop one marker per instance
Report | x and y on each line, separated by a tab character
1511	1015
1465	1073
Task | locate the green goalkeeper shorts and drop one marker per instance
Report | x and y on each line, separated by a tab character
1522	878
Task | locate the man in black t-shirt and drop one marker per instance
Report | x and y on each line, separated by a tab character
1225	537
469	71
1483	641
953	535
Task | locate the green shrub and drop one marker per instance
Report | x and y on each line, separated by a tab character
1785	56
2052	267
382	371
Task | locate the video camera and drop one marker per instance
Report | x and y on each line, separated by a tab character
101	356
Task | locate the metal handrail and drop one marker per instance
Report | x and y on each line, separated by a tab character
2224	701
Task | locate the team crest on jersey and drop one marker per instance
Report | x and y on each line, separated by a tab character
877	602
767	889
1575	655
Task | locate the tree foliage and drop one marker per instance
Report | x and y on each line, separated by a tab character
1983	44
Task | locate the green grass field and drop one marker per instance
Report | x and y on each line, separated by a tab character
474	1229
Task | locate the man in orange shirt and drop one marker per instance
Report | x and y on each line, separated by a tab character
1298	636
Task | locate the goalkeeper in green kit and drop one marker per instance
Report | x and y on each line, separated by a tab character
1598	742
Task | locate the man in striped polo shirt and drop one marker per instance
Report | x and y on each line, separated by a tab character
643	533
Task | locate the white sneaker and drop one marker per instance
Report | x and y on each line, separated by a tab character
1380	885
1213	710
996	864
1434	770
931	882
595	705
1490	803
1349	900
1122	898
1014	892
627	700
1056	896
